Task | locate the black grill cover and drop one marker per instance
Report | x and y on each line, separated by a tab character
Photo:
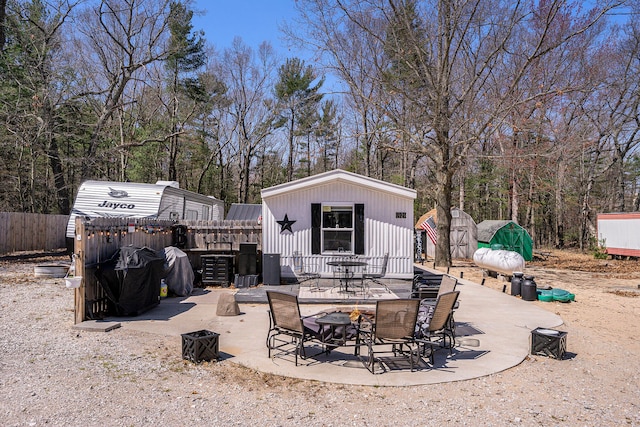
131	280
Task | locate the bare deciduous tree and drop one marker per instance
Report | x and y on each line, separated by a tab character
116	42
449	53
34	106
249	79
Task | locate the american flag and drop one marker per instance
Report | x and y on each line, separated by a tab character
429	225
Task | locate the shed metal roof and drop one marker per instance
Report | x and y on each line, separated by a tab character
244	212
489	227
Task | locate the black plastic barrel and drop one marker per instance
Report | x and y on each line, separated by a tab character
516	283
529	289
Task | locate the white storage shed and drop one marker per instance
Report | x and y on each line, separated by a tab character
339	213
619	233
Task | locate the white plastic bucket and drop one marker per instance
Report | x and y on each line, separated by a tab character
73	282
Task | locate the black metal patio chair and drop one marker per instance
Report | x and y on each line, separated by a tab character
375	273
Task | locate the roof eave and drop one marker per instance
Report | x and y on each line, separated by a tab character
339	175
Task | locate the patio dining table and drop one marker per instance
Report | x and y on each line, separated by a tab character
347	267
337	322
334	329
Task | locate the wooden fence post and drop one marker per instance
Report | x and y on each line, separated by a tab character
79	252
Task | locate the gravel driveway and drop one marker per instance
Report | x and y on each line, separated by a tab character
51	374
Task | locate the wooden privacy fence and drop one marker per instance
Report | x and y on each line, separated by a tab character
31	232
98	240
210	235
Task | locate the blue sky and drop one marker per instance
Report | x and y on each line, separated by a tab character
253	20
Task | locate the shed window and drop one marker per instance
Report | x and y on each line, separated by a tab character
337	228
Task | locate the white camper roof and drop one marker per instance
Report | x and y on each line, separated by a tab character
126	200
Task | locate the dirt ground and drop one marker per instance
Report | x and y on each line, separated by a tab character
597	383
607	290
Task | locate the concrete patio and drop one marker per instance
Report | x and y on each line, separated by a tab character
493	329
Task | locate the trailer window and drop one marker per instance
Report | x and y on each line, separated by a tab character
191	215
337	228
206	213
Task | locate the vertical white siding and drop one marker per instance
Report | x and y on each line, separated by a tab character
384	233
620	233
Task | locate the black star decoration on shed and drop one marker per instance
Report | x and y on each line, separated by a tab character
286	224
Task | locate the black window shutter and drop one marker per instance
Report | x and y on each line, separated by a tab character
316	225
359	229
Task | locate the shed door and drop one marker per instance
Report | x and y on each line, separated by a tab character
459	243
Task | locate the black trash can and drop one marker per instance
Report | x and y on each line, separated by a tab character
247	259
271	269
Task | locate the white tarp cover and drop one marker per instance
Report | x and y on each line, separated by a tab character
178	273
505	262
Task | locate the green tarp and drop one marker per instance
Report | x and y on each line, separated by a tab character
510	235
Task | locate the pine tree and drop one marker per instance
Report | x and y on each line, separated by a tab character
186	57
298	101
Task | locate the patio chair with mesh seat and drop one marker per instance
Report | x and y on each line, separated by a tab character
306	271
375	273
434	330
389	332
288	333
448	284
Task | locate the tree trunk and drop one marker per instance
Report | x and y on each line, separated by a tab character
444	185
461	192
618	190
560	205
443	213
291	146
585	216
514	185
62	193
515	200
3	15
173	141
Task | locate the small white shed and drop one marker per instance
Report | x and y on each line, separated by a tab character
339	213
620	233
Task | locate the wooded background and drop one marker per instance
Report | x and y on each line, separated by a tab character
509	110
